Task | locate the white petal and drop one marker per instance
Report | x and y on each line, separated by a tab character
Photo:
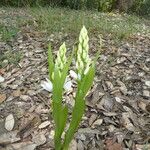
47	85
73	74
68	86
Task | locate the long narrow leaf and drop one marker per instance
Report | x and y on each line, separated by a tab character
50	62
86	82
77	114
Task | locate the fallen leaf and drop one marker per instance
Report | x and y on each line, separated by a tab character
111	145
2	79
28	124
2	98
39	139
44	124
73	145
9	137
126	122
2	71
146	93
23	146
147	83
122	87
92	119
98	122
9	122
80	145
148	107
142	147
142	105
25	98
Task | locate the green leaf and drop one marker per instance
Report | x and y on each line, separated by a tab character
57	87
63	119
60	118
50	62
66	68
77	114
86	83
56	116
60	112
79	107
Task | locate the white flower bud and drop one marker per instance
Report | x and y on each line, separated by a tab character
47	85
68	86
73	74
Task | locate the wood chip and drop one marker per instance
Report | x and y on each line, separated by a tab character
44	124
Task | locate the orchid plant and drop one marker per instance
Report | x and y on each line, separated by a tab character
84	76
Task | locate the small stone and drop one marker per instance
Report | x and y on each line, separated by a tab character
44	124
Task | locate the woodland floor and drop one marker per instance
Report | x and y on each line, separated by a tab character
118	106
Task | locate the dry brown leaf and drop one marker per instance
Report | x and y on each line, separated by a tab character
98	122
80	145
2	98
142	105
92	119
23	146
73	145
111	145
29	123
126	122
